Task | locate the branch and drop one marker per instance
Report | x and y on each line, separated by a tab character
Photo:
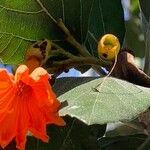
74	62
82	50
61	51
97	68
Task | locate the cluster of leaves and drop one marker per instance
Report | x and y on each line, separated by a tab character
74	28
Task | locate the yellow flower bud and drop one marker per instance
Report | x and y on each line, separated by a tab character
108	47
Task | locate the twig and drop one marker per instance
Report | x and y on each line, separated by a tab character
75	61
61	25
97	68
61	51
70	39
82	50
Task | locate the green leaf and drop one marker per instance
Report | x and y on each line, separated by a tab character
145	8
63	85
24	21
125	130
11	146
131	142
114	100
104	18
76	135
134	31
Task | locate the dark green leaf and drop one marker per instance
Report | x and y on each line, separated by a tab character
24	21
74	136
132	142
145	6
134	31
63	85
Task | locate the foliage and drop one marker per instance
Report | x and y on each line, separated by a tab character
23	22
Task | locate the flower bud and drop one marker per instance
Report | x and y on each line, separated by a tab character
108	47
39	50
37	54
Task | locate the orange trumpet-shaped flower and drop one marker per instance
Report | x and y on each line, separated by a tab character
27	103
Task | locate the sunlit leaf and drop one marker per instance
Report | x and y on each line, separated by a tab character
113	100
24	21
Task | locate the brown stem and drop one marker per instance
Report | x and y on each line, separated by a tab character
74	62
82	50
96	67
62	51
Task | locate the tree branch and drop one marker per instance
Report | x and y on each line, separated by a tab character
74	62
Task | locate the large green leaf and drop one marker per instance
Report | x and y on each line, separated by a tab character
24	21
131	142
114	100
145	5
76	135
63	85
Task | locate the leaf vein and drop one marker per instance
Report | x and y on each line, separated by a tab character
15	49
63	10
102	18
46	11
20	11
9	41
86	37
17	36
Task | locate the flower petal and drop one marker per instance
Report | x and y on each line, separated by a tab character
6	93
7	129
22	73
46	115
23	119
37	123
49	106
26	104
39	74
5	80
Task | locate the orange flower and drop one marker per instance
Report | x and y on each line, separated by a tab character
27	103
